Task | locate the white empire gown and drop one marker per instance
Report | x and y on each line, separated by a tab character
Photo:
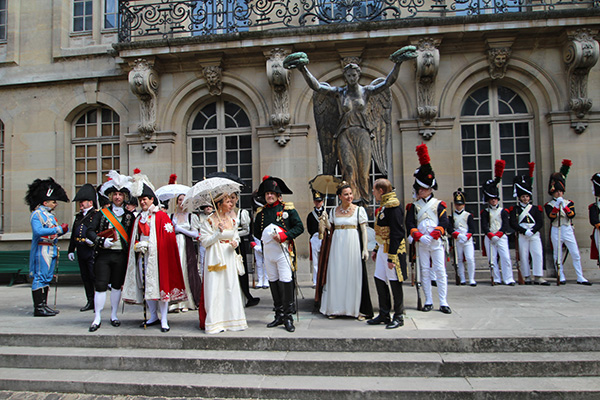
342	290
222	294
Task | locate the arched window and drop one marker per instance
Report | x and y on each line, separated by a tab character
95	145
2	176
220	139
495	124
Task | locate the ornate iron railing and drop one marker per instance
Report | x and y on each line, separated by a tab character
146	19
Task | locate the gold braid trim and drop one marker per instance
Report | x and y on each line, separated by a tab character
217	267
389	200
396	260
288	205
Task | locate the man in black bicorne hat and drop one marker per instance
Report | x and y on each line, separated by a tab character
41	198
86	196
277	224
312	226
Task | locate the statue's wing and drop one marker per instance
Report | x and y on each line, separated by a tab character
327	117
379	114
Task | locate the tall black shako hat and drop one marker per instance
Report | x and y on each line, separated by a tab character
86	192
272	184
42	190
596	184
558	180
490	188
424	175
459	197
523	184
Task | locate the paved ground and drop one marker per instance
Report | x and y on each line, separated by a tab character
477	311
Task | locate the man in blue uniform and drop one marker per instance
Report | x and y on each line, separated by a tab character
42	197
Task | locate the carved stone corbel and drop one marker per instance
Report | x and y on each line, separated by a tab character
279	79
580	55
213	75
427	66
498	61
143	82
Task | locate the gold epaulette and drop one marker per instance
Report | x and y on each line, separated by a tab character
288	206
389	200
259	209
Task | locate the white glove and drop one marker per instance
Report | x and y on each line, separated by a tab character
559	201
426	240
529	233
89	242
141	247
365	255
462	238
108	242
495	239
71	256
410	239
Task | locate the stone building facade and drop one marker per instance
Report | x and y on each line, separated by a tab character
79	96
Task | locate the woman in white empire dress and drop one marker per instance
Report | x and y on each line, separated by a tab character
343	287
222	294
186	228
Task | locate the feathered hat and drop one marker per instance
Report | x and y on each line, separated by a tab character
273	184
87	192
490	188
42	190
142	187
116	183
558	180
172	179
523	184
596	184
459	197
424	175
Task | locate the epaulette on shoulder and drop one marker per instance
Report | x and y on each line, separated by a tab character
288	206
444	204
540	208
510	209
259	209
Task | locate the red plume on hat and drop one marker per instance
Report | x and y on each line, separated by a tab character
137	171
499	170
423	154
531	166
265	178
424	175
172	179
565	167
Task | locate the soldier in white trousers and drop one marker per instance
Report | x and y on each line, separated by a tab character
426	222
463	225
561	213
594	216
527	220
495	225
312	226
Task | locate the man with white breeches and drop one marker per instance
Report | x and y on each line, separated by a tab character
312	226
462	225
426	221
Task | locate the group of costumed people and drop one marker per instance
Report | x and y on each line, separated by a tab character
151	258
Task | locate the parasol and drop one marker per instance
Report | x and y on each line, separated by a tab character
326	184
203	192
168	192
226	175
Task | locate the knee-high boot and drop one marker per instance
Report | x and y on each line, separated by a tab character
38	304
46	291
276	292
398	294
383	294
288	306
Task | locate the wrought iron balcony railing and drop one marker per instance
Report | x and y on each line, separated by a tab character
147	19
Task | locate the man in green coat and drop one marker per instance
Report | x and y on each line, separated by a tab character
277	224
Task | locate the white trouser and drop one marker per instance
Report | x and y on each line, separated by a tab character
277	262
431	258
597	239
568	238
382	272
531	245
263	280
465	251
315	245
500	249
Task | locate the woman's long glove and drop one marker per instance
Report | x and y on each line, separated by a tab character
365	242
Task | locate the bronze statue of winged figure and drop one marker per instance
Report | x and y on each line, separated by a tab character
353	121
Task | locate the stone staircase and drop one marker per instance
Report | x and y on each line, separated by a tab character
303	368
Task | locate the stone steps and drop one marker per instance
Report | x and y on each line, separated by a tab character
303	368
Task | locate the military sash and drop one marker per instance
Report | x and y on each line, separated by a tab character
115	223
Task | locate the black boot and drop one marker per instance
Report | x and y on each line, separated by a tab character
398	294
46	306
38	304
383	294
276	293
89	293
288	306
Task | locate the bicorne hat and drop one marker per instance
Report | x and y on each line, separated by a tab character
273	184
42	190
